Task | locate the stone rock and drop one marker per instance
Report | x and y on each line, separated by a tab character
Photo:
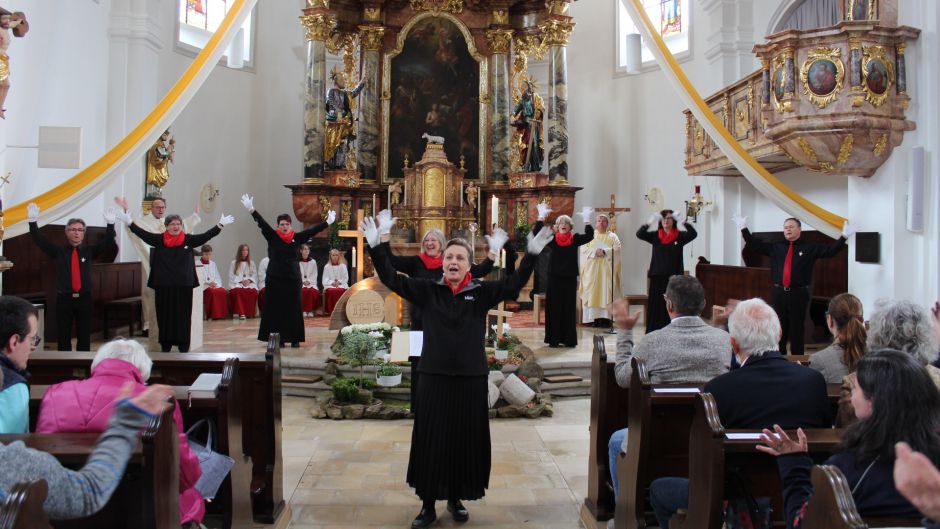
493	393
544	398
328	379
317	411
530	369
493	413
332	368
363	397
535	411
511	412
497	377
549	410
516	392
334	412
373	411
509	368
525	351
392	412
353	411
534	383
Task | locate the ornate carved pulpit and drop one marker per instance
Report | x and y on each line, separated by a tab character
432	193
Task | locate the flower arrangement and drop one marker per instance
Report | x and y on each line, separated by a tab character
505	342
379	333
388	370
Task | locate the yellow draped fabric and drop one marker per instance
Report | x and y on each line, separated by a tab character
600	276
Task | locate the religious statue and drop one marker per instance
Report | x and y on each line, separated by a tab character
17	22
395	190
159	158
527	118
340	103
472	192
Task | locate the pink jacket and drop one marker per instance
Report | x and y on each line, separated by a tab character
86	406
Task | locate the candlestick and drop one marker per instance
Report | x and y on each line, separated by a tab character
373	204
388	198
502	258
461	195
494	207
355	262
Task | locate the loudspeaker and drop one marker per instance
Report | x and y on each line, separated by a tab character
60	147
915	191
868	247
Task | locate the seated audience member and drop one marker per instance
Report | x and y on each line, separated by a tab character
262	274
86	406
918	480
214	296
309	294
83	492
688	350
19	333
752	395
901	325
335	279
243	284
847	325
894	400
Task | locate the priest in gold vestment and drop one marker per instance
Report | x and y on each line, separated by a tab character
600	273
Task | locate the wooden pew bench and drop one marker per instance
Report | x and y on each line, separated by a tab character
259	397
833	507
148	495
130	308
22	507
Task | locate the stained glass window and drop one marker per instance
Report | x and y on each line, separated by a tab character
667	16
199	19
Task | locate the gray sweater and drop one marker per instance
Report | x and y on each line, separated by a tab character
688	350
78	493
829	363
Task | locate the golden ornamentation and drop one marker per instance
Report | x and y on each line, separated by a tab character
434	187
463	162
557	7
777	64
530	46
437	6
855	43
372	14
501	17
345	212
880	145
698	141
872	10
556	32
318	26
764	63
873	55
900	47
807	150
318	4
815	55
742	115
845	150
371	37
341	42
499	40
349	180
547	199
521	181
324	206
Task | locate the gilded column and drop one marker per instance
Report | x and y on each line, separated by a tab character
789	79
765	83
855	71
500	105
370	36
555	33
319	23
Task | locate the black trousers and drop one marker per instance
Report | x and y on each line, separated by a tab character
790	306
78	310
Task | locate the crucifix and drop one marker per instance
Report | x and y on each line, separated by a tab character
358	257
612	212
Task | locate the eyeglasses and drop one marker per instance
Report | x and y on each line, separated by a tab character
76	230
34	341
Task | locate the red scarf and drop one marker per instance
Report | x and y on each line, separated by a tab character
431	263
564	239
668	237
170	241
286	237
458	288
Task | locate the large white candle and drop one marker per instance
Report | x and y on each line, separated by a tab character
494	207
355	262
374	212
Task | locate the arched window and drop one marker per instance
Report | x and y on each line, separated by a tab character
671	18
198	19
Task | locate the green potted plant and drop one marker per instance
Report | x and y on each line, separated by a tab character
388	375
358	350
502	347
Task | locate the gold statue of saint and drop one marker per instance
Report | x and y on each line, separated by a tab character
159	157
17	23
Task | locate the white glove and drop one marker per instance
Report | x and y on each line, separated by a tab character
848	230
497	240
368	228
109	215
538	243
679	217
32	212
386	221
123	216
586	213
544	210
652	223
739	221
226	220
248	202
331	218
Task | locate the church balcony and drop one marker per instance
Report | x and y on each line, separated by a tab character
832	100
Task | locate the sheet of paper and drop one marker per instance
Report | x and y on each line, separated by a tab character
676	390
405	344
743	436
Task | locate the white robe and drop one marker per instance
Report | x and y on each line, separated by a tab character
245	271
212	274
262	272
335	273
600	276
308	273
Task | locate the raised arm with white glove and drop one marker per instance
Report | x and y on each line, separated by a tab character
544	210
248	202
32	212
123	216
679	218
331	218
652	223
497	240
370	231
226	220
109	215
586	213
739	220
538	242
386	223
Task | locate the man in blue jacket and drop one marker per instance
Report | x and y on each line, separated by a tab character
19	336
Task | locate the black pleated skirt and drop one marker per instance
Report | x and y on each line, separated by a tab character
561	305
657	317
174	307
450	441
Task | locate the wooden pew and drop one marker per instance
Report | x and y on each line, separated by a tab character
148	496
833	507
657	442
609	410
260	398
711	452
22	508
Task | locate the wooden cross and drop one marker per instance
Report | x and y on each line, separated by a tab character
360	258
500	314
612	211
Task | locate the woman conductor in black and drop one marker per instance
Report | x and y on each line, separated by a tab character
450	441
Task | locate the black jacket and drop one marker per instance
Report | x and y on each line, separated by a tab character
667	258
454	324
804	257
563	260
173	266
768	390
875	495
283	257
63	258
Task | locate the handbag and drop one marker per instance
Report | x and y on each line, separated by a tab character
215	466
742	510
